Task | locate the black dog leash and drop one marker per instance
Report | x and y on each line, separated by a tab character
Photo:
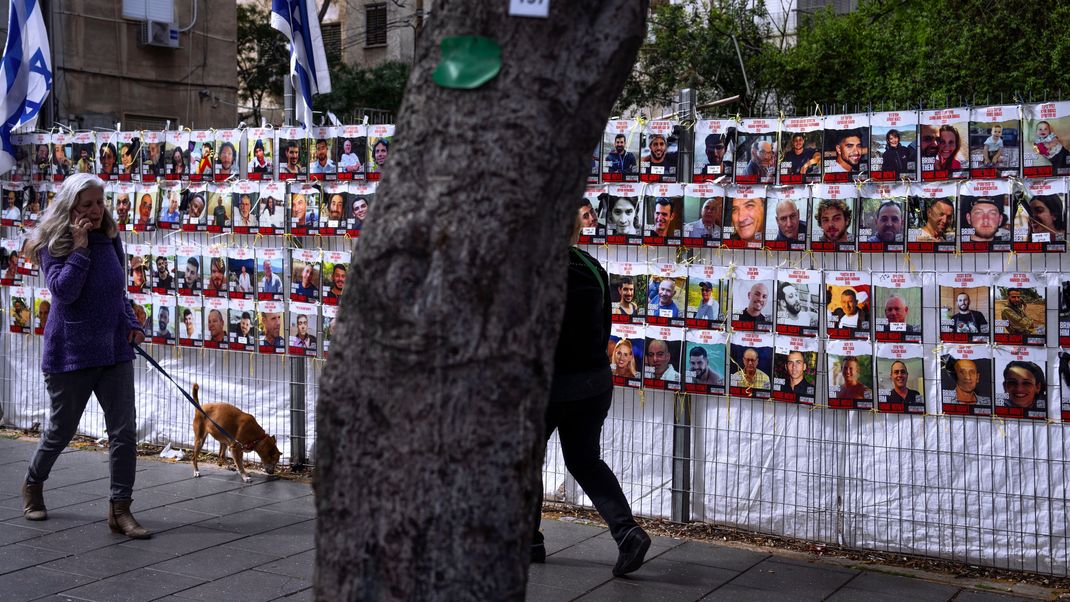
189	397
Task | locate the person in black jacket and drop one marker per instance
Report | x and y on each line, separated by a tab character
580	395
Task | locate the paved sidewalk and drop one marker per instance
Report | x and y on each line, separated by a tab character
218	538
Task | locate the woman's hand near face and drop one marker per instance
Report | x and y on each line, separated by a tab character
80	226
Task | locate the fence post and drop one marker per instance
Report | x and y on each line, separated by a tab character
681	432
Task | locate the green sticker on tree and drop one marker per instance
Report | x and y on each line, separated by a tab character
467	62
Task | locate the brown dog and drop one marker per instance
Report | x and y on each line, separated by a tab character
251	437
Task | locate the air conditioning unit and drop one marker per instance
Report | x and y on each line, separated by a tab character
158	33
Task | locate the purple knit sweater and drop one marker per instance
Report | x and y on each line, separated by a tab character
90	319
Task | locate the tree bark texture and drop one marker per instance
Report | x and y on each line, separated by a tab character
431	405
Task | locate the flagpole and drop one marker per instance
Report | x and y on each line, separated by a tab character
287	99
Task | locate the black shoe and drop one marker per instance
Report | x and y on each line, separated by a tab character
538	553
632	551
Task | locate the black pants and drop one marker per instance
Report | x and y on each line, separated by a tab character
579	426
69	393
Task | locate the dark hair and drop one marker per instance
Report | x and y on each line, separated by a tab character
245	316
663	201
626	280
1051	201
619	136
186	312
697	351
893	132
259	145
1032	369
226	145
713	139
382	141
193	261
781	288
850	292
339	266
323	140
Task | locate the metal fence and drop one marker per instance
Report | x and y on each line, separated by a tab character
979	490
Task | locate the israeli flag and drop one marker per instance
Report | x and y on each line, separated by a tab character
297	20
26	72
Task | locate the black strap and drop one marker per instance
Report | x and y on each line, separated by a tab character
189	397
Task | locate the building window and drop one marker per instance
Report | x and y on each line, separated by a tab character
375	24
332	40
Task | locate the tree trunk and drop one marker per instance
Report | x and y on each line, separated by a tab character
430	414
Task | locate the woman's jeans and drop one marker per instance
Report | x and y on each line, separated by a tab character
69	392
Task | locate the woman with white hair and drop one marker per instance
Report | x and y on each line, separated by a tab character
87	342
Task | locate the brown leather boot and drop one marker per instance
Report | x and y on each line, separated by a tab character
33	501
120	520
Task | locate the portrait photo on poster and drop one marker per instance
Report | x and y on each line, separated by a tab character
591	232
226	160
664	214
965	308
901	378
752	292
846	148
305	272
190	319
176	155
995	141
798	302
660	152
351	143
666	294
1021	382
744	221
380	137
984	216
269	270
750	362
714	150
786	219
271	214
361	196
626	354
293	153
944	147
705	353
931	217
1020	308
1046	143
323	165
800	150
795	369
1039	214
164	268
850	374
620	143
664	356
623	214
241	272
893	149
834	217
899	306
261	154
707	297
756	152
966	380
882	219
335	270
627	291
216	315
703	215
242	321
848	305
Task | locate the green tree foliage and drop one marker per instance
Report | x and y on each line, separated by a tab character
937	53
263	59
353	87
690	45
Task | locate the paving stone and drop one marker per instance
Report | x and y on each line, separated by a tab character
213	563
139	584
163	518
247	586
222	504
302	506
79	539
11	532
282	542
664	580
877	587
193	488
546	593
973	595
276	489
569	573
304	595
300	566
603	549
804	580
16	557
182	540
36	582
725	557
107	561
68	517
62	497
251	522
739	593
